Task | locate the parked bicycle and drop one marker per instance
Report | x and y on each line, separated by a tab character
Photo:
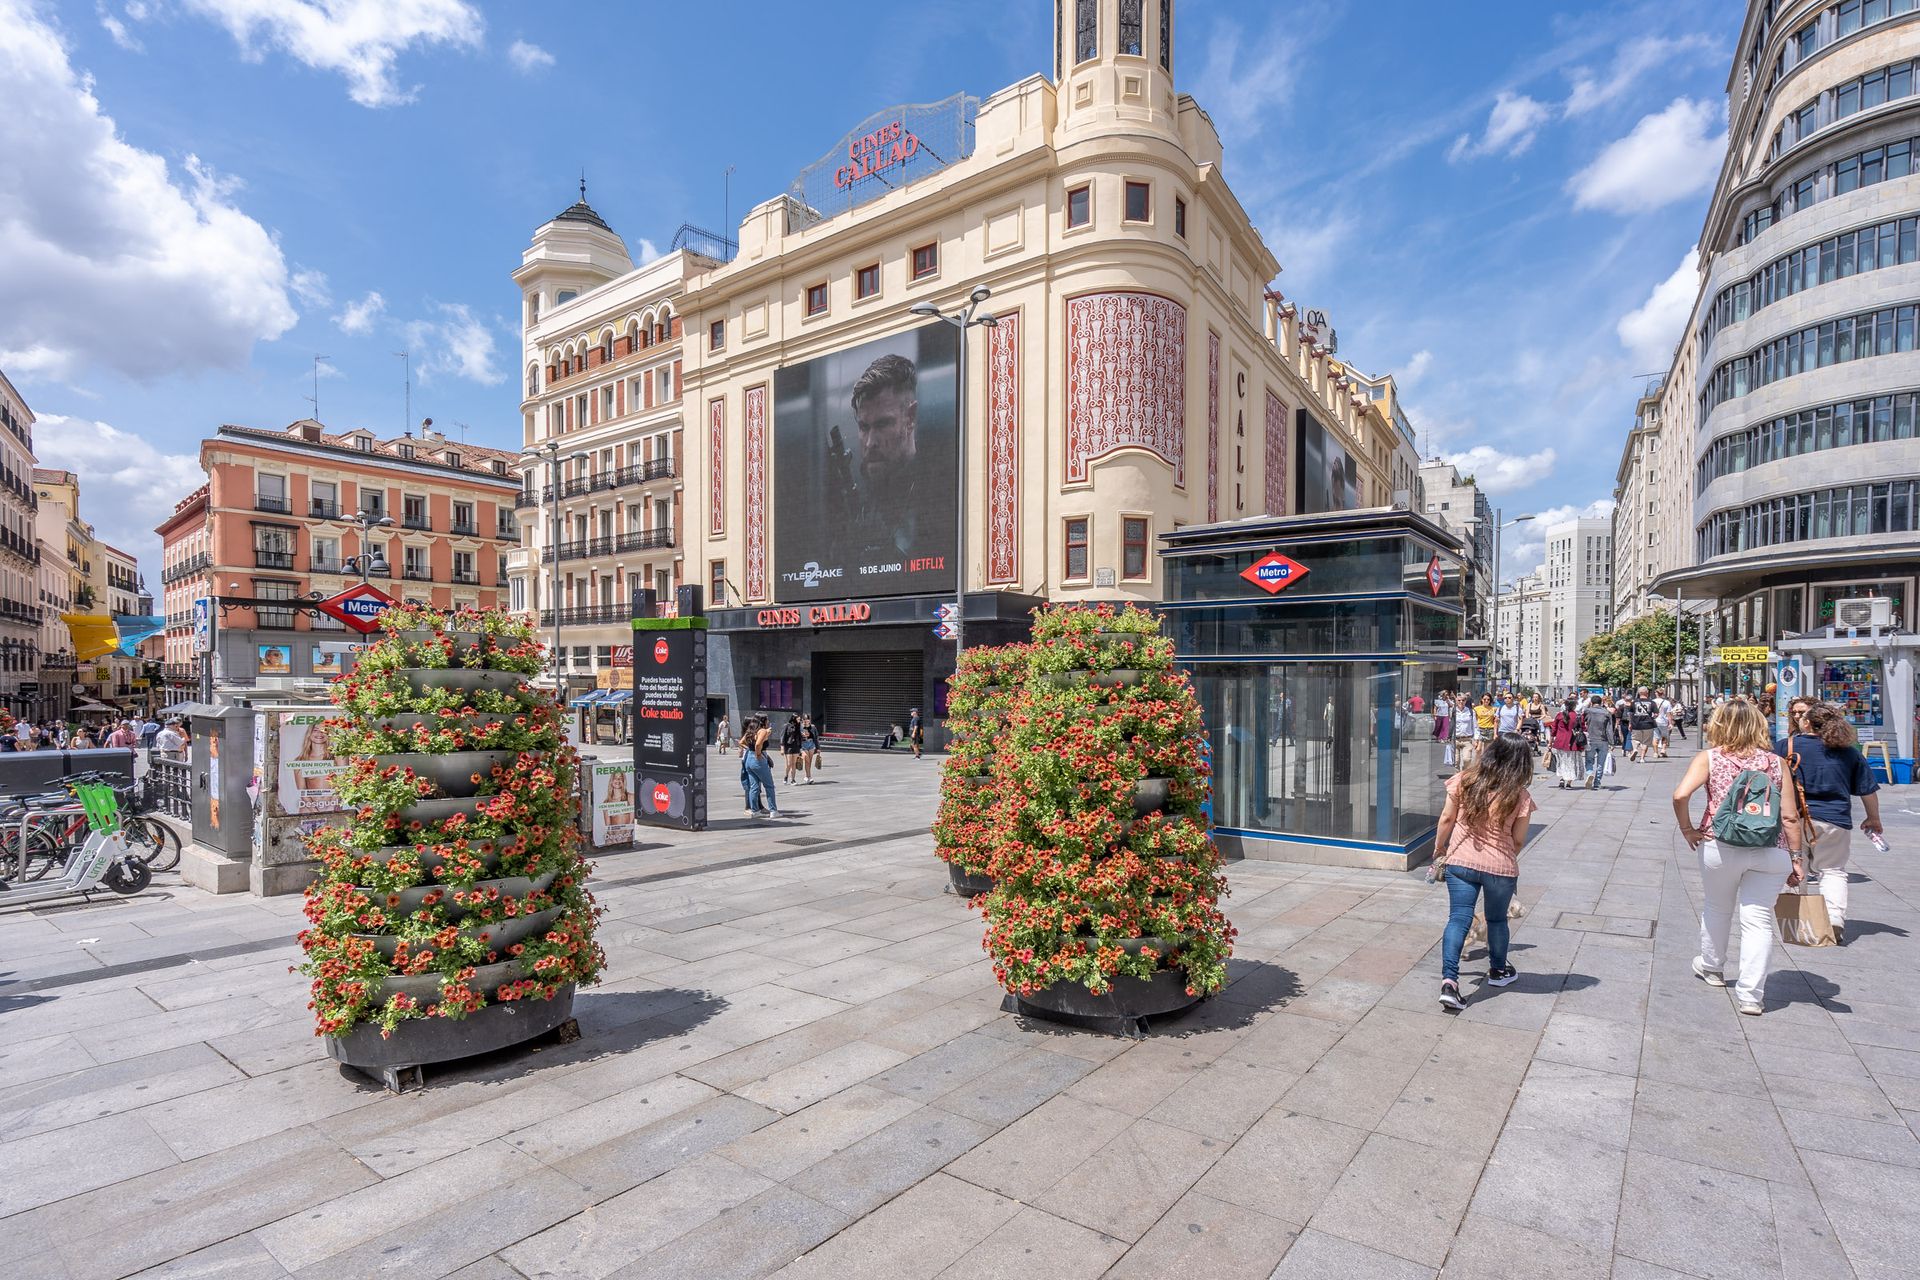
49	841
101	861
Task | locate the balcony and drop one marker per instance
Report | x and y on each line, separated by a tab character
372	512
185	568
601	482
526	498
593	615
419	522
471	578
272	559
321	509
318	564
267	502
508	533
417	573
466	528
637	540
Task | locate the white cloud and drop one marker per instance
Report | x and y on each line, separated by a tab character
118	30
1415	368
1511	127
1309	249
359	316
1650	330
1502	472
1668	156
457	343
311	286
1523	548
1631	61
126	485
109	261
528	58
362	40
1243	93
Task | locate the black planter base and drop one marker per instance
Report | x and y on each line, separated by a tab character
421	1042
968	884
1126	1009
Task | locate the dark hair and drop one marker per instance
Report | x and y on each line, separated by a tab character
1570	704
888	373
1829	724
1491	787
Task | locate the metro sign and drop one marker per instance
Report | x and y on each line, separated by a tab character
1274	573
358	607
1434	576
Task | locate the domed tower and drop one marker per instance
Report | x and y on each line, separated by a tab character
1113	63
574	252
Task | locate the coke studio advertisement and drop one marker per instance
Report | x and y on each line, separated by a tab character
669	781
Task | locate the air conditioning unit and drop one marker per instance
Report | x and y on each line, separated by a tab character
1868	611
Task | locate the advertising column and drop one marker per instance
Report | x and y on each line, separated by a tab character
670	722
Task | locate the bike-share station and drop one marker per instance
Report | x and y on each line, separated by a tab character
81	826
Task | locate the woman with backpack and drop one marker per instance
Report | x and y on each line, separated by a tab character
1751	824
1477	849
791	740
1569	745
1824	760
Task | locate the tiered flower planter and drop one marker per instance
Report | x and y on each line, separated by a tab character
451	917
1105	906
979	698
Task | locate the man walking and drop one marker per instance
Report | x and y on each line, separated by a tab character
1599	722
1641	716
916	736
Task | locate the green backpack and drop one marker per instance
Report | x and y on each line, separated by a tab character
1748	816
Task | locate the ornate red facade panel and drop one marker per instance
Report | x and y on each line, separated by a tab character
1003	451
717	467
1213	425
756	415
1276	466
1126	379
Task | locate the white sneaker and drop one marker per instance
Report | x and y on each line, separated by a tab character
1749	1007
1709	976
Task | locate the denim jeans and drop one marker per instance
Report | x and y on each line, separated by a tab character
1464	887
760	784
1597	762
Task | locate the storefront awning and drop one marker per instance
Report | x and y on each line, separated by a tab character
617	695
587	699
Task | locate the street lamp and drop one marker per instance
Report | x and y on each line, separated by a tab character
550	451
369	561
963	321
1498	525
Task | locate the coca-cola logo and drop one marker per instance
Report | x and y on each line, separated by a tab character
661	797
660	649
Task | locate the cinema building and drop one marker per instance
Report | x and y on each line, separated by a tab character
1140	376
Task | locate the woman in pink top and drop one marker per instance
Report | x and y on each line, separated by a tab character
1478	847
1746	880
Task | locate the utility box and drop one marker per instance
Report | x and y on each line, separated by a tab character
223	765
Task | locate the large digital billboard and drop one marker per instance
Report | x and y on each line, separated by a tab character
864	457
1328	478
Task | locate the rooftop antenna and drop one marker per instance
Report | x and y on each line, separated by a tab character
726	209
406	414
463	430
583	184
314	399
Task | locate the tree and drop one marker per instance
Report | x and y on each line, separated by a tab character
1640	652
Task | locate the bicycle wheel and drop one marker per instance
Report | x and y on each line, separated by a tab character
153	842
44	853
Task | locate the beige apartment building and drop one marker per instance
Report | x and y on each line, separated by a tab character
1652	511
21	610
1141	375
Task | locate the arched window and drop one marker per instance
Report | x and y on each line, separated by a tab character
606	347
1086	31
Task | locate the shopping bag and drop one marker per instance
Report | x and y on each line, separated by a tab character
1609	764
1803	919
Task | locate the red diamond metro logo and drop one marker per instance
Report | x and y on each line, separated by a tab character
1274	573
359	607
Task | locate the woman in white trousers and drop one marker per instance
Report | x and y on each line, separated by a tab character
1736	881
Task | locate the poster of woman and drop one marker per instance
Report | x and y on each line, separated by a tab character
275	660
613	816
325	660
307	765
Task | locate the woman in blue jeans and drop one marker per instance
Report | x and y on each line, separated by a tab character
1478	850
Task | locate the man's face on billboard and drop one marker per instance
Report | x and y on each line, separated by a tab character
887	419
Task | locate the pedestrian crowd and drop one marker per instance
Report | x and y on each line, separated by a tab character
168	740
1778	812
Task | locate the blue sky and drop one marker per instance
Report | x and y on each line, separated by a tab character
1495	201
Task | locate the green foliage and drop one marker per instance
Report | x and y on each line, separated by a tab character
1641	652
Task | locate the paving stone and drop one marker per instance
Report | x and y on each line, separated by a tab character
1599	1044
632	1158
1138	1079
105	1090
1696	1219
804	1083
1435	1110
1596	923
855	979
1400	1198
914	1237
1284	1165
64	1162
794	1142
1871	1206
926	1076
881	1165
1726	1131
1033	1243
1319	1256
1489	1249
756	1238
318	1232
460	1234
1596	1105
1015	1087
1042	1147
1846	1136
241	1258
405	1133
1351	1088
1688	1060
1555	1183
1224	1100
29	1061
251	1108
1124	1187
1286	1042
1201	1236
605	1237
1809	1246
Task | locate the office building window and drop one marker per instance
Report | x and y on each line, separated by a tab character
816	299
1076	545
717	584
717	335
866	281
1180	217
926	261
1139	202
1079	206
1133	547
